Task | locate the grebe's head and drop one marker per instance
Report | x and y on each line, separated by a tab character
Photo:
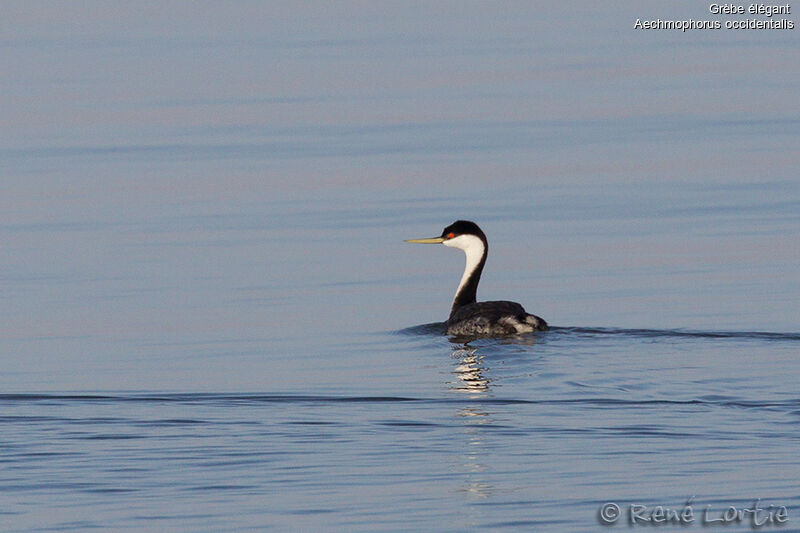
462	234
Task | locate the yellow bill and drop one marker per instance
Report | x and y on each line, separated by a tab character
432	240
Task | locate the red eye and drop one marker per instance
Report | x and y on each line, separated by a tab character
451	235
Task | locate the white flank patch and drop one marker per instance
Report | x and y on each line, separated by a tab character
473	249
516	324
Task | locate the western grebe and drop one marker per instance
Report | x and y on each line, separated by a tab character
469	317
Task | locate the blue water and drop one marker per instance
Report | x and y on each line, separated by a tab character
209	320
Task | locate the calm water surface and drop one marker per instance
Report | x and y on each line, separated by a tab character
209	320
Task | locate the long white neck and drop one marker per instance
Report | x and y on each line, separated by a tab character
475	252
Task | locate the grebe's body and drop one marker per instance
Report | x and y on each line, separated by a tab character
468	317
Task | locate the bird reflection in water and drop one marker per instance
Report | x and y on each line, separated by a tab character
469	371
473	452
